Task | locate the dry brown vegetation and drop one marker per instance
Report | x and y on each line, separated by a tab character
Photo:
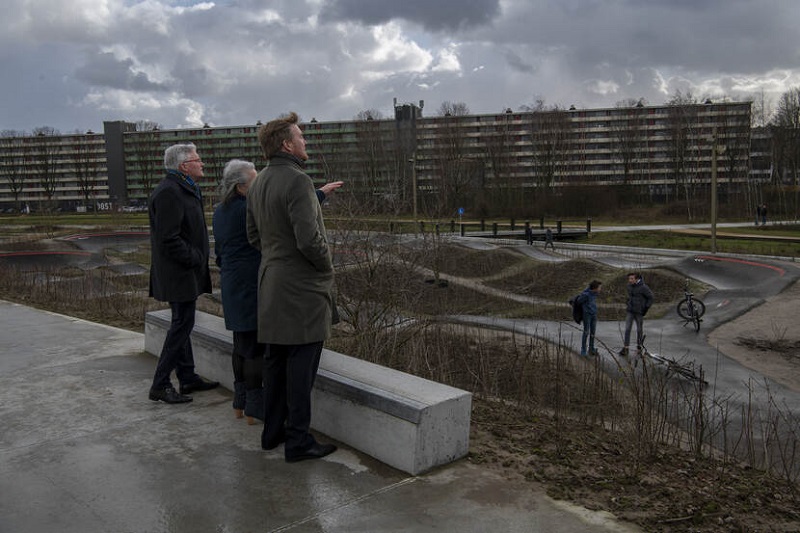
545	416
637	444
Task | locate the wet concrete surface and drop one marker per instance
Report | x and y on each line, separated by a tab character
37	260
85	251
82	449
122	241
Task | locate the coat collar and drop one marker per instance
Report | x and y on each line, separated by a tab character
282	158
185	181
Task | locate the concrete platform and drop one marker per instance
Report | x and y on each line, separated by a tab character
409	423
83	450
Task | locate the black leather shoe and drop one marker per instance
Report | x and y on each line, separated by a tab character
271	445
315	452
168	395
199	385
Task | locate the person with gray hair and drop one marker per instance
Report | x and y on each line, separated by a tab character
179	271
178	154
238	262
235	173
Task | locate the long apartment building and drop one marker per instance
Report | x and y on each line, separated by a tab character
397	161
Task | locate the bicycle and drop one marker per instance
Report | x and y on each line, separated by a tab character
688	370
691	309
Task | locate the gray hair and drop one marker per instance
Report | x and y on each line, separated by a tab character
177	154
235	173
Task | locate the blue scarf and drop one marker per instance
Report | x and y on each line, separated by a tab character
188	179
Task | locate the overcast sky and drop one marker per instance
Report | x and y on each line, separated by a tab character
71	64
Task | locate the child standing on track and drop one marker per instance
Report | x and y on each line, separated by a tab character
588	299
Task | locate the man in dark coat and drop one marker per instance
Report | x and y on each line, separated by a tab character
296	306
640	299
179	268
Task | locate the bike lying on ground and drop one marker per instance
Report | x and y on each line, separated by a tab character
690	309
688	370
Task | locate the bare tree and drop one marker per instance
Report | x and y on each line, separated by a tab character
373	163
457	172
787	120
682	112
214	159
147	156
147	125
762	110
506	182
12	163
84	166
628	135
44	158
452	109
734	149
368	114
550	131
786	141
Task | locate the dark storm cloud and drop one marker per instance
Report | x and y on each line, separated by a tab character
517	63
193	79
435	16
695	35
187	62
105	70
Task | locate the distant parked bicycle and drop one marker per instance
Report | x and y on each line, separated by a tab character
690	309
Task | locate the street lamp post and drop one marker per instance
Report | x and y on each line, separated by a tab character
714	192
716	149
413	162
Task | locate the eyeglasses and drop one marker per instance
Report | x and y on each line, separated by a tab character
198	160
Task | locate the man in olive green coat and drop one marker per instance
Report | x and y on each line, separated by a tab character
295	287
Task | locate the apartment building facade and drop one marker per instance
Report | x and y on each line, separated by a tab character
410	161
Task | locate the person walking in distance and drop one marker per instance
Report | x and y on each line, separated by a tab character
640	299
179	268
588	300
296	306
548	239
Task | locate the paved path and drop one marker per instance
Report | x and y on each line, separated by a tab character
83	450
739	284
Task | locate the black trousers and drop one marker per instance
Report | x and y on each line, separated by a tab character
247	358
289	373
176	354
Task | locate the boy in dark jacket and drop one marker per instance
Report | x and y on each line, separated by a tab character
588	300
640	298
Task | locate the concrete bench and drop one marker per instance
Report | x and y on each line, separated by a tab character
407	422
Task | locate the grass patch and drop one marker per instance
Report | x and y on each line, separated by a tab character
681	241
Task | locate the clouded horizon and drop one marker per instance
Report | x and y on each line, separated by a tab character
180	63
